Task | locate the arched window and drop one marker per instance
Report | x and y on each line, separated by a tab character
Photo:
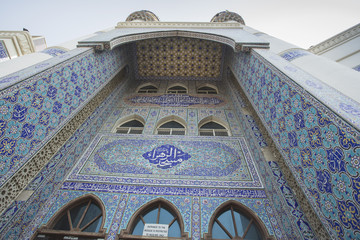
148	89
207	90
233	220
131	127
213	129
177	89
82	218
171	128
158	211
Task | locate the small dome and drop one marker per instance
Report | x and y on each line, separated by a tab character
226	16
143	15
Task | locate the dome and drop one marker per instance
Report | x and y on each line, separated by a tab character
143	15
226	16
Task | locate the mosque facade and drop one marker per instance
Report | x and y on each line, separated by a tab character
179	130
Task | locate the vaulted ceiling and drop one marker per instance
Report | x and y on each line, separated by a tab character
178	57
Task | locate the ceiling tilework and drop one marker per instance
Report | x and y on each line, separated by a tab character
179	57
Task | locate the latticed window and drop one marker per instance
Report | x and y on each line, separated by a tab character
206	90
82	219
177	89
131	127
148	89
171	128
213	129
155	213
234	221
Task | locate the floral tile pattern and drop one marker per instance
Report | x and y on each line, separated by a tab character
320	148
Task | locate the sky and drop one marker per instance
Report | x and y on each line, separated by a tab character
302	22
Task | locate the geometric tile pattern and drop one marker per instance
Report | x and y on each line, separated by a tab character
30	115
256	131
27	219
321	152
288	230
178	57
112	158
292	202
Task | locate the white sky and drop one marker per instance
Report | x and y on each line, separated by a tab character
302	22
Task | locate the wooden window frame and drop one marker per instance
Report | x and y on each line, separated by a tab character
48	230
160	202
213	130
213	91
167	119
140	90
245	211
177	91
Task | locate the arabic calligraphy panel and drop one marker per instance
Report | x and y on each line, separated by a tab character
174	100
163	160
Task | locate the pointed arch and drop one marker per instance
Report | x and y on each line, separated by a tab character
171	125
213	126
207	88
82	217
155	207
147	88
239	229
177	88
133	117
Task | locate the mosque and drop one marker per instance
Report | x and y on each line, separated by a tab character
179	130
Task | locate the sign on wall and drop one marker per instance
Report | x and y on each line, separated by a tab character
155	230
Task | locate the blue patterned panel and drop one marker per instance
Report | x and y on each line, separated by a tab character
22	221
294	53
175	100
3	52
256	131
204	161
321	149
54	51
36	108
166	156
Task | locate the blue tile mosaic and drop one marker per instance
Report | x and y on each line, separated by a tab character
23	222
3	52
166	156
289	228
178	191
53	51
111	159
174	100
56	96
318	146
292	54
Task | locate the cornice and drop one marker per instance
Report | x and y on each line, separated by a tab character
178	25
335	40
21	40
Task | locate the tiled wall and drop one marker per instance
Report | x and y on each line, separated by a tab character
321	149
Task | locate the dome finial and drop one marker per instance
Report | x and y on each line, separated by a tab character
142	15
226	16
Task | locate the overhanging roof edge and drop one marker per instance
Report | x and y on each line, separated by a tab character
235	39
